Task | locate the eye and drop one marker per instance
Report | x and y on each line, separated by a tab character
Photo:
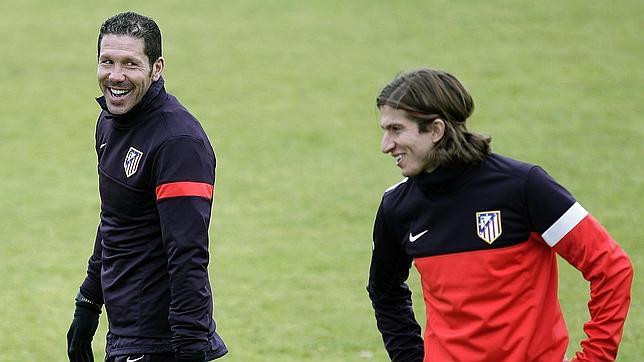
105	62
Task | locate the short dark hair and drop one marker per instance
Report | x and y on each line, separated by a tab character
134	25
428	94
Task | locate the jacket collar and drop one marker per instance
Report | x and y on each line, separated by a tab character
441	180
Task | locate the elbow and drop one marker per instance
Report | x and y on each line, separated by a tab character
619	274
628	270
398	297
624	268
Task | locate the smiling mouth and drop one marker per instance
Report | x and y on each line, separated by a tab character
117	93
398	158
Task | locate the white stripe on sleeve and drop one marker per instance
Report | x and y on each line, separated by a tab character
566	222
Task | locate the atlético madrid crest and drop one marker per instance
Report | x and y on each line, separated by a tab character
488	225
131	163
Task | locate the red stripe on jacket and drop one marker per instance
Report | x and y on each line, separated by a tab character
180	189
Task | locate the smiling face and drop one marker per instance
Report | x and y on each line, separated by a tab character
404	141
124	72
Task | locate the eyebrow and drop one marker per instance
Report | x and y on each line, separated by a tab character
126	58
391	125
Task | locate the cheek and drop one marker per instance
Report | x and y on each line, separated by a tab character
409	141
103	74
421	148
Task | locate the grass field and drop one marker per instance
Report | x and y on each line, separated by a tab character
286	92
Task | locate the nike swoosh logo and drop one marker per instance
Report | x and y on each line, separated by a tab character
413	238
101	146
134	360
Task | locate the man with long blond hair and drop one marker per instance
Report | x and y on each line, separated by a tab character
484	231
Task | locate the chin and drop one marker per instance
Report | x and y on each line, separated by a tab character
117	110
409	173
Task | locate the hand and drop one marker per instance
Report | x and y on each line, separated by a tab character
190	357
81	332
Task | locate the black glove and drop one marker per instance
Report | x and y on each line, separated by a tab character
190	357
81	332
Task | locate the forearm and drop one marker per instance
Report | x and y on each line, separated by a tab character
396	322
91	286
191	301
185	235
390	295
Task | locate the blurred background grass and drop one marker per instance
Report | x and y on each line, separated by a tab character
286	92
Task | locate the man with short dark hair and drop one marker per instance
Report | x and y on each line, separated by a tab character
156	178
483	231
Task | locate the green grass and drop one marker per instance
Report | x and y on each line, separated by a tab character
286	91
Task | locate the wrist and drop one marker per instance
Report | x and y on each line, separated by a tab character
88	304
81	298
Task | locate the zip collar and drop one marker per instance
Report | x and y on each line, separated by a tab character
442	180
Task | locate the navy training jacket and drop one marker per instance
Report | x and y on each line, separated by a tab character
156	172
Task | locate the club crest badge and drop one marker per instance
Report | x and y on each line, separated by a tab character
488	225
131	163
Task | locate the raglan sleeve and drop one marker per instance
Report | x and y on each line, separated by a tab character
582	241
184	172
390	296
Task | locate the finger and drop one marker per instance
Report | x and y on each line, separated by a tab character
70	338
80	338
73	350
74	356
76	339
90	354
85	353
70	333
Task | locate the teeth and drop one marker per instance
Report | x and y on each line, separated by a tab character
398	159
119	92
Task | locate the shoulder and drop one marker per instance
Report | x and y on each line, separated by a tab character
520	170
178	134
394	191
178	121
101	122
395	186
503	165
103	126
395	194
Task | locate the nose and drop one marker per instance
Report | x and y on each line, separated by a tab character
116	74
387	144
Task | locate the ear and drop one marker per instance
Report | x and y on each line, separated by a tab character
437	129
157	68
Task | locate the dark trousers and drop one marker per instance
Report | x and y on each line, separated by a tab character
164	357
